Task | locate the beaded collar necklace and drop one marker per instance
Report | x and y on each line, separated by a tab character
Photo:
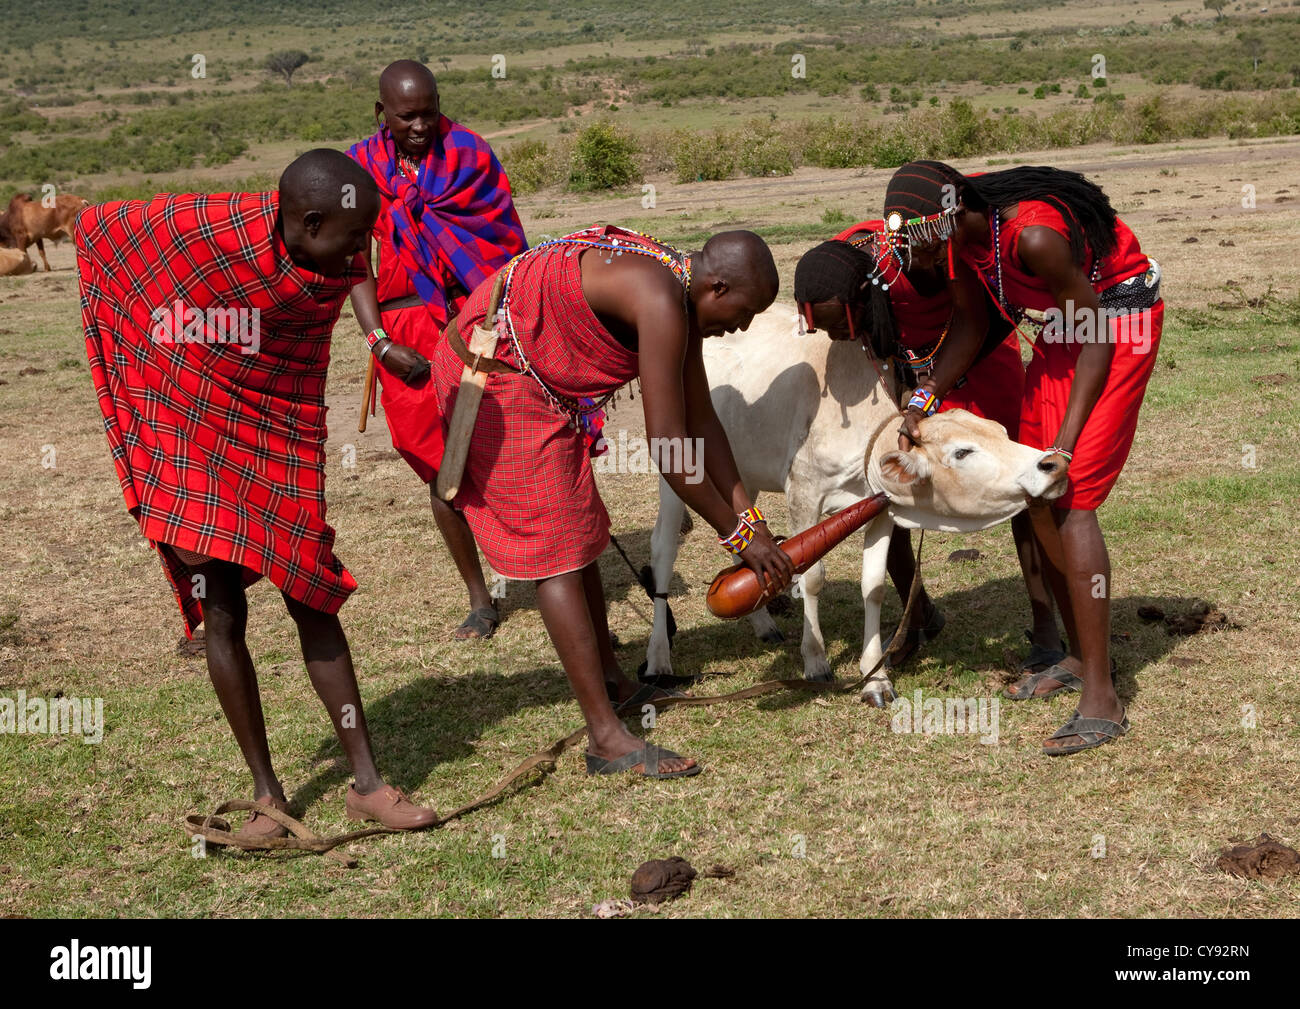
677	262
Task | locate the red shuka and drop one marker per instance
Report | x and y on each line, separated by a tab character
1107	437
528	491
219	443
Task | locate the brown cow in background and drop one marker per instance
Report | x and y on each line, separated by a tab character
27	222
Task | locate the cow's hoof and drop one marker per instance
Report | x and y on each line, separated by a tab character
818	672
773	636
878	695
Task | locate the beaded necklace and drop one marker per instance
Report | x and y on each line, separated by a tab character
997	258
678	263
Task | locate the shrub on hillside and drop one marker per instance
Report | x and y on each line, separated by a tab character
604	157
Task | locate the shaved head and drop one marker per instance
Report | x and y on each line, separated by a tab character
318	180
409	106
405	78
743	261
733	279
328	206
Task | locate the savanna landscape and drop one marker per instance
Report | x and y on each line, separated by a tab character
680	122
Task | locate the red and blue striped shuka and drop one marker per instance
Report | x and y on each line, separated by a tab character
446	222
219	443
455	220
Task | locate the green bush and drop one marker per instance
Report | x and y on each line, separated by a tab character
532	165
763	150
703	157
604	157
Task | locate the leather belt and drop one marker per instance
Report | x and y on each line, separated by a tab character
487	365
392	304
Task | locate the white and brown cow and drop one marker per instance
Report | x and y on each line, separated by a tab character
800	413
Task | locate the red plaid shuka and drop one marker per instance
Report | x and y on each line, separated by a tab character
218	443
528	491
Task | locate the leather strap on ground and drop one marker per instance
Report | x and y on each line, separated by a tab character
217	831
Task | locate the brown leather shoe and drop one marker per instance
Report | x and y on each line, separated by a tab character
259	826
390	807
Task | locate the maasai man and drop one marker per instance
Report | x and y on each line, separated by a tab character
911	314
446	222
581	316
1048	240
208	323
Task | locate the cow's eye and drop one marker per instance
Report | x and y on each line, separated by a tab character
962	453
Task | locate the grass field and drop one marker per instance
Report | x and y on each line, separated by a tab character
887	824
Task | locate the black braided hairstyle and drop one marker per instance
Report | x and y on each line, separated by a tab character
917	190
838	271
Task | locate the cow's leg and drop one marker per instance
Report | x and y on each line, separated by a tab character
663	555
805	510
40	247
879	691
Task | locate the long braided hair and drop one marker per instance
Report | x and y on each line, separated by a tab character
917	190
838	271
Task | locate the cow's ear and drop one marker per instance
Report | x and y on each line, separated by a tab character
903	470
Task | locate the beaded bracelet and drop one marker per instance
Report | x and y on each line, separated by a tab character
741	537
753	516
926	402
374	336
1057	450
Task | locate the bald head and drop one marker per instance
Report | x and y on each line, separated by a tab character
406	78
733	279
409	106
743	262
327	181
328	205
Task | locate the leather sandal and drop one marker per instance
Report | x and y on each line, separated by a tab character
259	826
1057	674
1093	731
387	805
648	757
480	625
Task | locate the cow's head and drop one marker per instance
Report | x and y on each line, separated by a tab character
964	474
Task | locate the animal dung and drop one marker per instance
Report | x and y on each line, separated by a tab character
1201	617
1266	858
662	879
964	555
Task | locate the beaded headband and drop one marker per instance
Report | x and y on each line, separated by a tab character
938	227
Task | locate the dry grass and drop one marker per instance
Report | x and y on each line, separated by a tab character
892	825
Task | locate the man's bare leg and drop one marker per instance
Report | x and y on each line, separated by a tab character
225	618
459	538
1042	612
569	621
329	664
1087	579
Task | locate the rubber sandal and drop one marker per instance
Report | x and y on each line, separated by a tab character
1093	731
645	694
1060	674
914	640
649	756
1039	657
482	621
